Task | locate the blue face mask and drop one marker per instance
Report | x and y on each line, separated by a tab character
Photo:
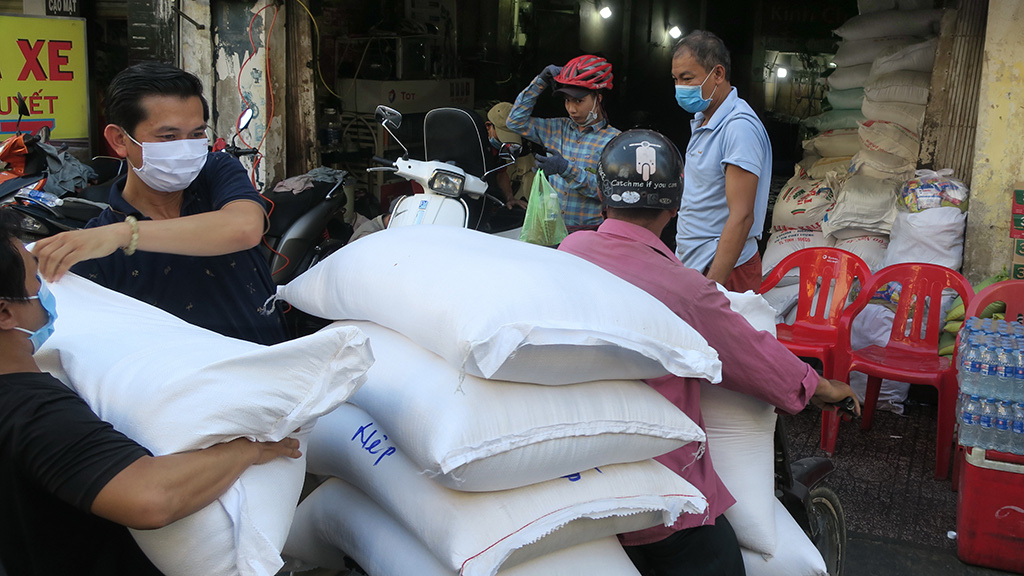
49	304
496	143
689	97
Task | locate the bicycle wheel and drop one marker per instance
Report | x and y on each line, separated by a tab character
828	528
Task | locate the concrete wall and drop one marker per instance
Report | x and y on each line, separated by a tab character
999	145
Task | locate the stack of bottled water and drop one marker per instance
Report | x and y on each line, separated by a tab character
990	370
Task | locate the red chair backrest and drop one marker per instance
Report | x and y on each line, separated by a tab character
820	267
1009	291
921	287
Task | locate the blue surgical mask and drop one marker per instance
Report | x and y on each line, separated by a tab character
689	97
496	143
49	304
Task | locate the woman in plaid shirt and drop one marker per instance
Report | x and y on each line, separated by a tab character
574	144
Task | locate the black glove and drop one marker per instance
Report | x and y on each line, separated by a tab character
552	164
549	73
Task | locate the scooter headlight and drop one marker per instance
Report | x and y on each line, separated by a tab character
447	183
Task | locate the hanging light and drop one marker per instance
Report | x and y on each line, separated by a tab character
605	12
782	72
675	32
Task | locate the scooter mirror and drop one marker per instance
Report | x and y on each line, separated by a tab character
22	106
389	117
510	150
244	119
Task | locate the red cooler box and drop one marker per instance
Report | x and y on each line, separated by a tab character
990	510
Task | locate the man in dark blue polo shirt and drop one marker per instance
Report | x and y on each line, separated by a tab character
184	226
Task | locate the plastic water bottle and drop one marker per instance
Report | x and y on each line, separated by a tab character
1018	372
1004	369
1017	431
987	369
987	424
40	196
1003	429
970	414
970	366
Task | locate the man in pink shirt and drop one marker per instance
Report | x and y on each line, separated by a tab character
640	180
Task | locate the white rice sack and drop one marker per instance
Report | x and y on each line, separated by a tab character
740	431
907	86
864	51
437	285
849	77
805	163
934	236
782	244
802	204
478	532
910	116
825	166
890	138
890	23
846	99
834	119
173	387
338	519
870	248
882	165
472	434
865	205
835	143
796	555
783	299
919	57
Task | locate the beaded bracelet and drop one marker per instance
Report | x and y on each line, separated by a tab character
134	242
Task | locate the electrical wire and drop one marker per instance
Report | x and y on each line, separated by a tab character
316	35
270	118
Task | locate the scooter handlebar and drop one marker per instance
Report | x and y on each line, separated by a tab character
383	161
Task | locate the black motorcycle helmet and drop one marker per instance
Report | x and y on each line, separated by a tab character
640	169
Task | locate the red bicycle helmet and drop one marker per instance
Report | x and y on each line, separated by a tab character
588	72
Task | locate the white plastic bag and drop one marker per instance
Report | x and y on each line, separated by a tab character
865	205
795	556
931	189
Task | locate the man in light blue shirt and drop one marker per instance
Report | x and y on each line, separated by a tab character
728	165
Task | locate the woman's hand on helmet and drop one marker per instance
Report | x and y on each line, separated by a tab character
549	73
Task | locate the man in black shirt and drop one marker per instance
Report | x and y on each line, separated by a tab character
70	482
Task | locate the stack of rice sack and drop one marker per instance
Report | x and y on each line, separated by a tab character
511	434
174	387
503	426
928	227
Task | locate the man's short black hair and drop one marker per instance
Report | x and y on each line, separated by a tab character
131	85
12	267
707	49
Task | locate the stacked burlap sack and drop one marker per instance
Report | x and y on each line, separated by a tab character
174	387
503	428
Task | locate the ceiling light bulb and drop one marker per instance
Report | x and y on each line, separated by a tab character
675	32
782	73
605	12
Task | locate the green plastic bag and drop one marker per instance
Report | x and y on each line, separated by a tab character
543	224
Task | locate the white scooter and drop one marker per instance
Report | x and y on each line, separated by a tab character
453	138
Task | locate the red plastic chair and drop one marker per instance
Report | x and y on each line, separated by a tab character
815	331
912	353
1011	292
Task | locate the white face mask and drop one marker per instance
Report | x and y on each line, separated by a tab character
170	166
